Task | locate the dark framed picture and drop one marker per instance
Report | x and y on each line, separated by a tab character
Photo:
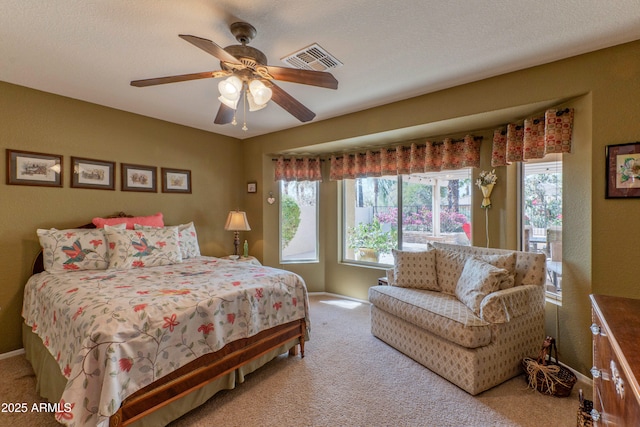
252	187
176	180
29	168
623	170
139	178
91	173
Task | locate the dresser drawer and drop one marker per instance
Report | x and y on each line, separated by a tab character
614	383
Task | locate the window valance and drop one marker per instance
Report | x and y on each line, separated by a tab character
298	169
424	157
534	138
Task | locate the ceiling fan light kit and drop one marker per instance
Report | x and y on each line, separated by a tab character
248	74
261	93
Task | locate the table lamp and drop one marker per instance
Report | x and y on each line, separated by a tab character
237	222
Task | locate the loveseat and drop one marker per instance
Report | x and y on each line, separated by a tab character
467	313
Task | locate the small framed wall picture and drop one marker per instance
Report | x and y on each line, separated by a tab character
252	187
91	173
29	168
623	171
176	180
139	178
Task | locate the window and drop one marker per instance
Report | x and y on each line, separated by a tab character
298	221
541	216
380	214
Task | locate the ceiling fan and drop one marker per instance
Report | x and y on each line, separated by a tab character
247	74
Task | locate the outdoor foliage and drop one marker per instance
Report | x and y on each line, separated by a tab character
290	219
420	218
371	235
543	200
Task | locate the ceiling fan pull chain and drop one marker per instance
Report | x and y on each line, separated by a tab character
244	109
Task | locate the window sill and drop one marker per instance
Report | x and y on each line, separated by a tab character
553	298
299	261
353	263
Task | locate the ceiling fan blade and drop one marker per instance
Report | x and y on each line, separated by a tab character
172	79
211	48
225	115
307	77
289	103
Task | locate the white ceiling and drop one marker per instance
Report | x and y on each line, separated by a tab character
391	50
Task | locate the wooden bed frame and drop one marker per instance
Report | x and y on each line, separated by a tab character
204	369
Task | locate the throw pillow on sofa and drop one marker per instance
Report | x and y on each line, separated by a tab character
449	266
415	270
478	279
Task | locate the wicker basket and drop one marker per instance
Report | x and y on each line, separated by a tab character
546	374
584	414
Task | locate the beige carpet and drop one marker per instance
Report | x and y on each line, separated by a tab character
347	378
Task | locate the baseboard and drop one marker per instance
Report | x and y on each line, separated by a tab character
329	294
11	354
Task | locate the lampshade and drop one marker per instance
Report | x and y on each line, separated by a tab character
261	93
229	103
252	103
230	90
237	221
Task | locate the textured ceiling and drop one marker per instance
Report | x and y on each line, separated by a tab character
90	50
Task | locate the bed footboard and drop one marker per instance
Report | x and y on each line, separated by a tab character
206	369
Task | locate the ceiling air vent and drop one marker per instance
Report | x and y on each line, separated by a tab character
312	57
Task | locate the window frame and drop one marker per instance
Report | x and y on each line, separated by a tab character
437	185
550	296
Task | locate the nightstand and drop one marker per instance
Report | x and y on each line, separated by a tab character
249	259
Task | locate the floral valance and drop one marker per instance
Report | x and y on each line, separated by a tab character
534	138
424	157
298	169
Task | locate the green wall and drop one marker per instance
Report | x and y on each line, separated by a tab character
599	246
36	121
600	235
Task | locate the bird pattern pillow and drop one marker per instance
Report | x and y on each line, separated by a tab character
73	249
142	248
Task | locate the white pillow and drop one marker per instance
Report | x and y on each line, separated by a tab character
142	248
478	279
415	270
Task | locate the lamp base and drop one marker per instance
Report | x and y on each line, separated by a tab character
236	242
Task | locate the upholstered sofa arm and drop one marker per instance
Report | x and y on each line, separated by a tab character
504	305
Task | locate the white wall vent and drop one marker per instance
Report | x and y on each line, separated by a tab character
312	57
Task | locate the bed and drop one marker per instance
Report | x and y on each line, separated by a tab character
117	338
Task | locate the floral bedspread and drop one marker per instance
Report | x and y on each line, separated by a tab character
114	332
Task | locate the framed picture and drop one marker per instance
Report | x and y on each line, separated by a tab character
176	180
28	168
139	178
91	173
623	170
252	187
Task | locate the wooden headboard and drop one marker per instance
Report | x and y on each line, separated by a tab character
38	263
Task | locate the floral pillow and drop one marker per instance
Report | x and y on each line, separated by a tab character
478	279
142	248
187	239
415	270
73	249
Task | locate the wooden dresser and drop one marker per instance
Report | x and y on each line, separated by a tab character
616	360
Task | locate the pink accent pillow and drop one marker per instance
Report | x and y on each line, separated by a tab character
149	221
